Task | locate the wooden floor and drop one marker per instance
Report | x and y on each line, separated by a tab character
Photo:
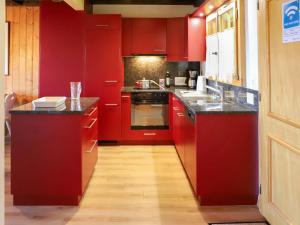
131	185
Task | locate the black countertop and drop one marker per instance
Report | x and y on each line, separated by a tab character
199	106
70	107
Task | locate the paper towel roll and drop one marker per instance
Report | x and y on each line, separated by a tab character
201	84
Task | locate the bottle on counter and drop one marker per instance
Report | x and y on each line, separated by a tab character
168	80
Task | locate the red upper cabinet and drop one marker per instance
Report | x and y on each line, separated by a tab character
186	39
126	36
195	39
176	50
144	36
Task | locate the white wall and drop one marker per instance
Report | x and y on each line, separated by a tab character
2	20
251	44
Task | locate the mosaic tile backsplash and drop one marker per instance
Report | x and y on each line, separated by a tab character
240	93
154	68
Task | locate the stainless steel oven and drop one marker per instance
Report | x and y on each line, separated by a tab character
149	110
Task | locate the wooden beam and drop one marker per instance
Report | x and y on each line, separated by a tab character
145	2
76	4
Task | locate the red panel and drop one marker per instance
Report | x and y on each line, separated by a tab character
227	157
49	164
104	70
149	36
196	39
126	37
61	48
176	39
103	21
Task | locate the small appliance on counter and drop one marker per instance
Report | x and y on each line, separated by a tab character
168	80
191	80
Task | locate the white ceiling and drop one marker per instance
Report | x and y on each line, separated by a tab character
145	11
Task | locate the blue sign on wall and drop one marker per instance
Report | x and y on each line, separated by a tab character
291	17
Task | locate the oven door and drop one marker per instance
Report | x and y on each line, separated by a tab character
149	116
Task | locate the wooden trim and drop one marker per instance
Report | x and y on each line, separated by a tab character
274	115
270	189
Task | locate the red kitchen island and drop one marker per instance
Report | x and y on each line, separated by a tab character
53	152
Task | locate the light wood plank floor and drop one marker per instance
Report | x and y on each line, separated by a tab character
131	185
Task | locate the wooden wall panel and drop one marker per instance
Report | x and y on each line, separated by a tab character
24	52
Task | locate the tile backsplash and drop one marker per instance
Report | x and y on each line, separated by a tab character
241	95
154	68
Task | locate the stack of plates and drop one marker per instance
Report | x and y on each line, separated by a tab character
49	102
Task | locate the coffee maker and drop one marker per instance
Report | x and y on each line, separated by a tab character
192	77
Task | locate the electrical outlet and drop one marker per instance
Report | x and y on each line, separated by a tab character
250	98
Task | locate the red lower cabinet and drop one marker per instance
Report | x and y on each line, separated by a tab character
130	136
219	153
53	157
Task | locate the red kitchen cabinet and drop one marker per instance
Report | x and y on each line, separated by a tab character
186	39
104	69
144	36
176	40
53	156
178	131
216	153
130	136
196	39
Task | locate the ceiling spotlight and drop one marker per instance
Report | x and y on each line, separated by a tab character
201	14
211	6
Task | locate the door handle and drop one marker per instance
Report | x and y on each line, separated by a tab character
101	25
180	114
92	124
111	104
149	134
91	113
91	149
111	81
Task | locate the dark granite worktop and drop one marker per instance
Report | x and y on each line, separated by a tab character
70	107
199	106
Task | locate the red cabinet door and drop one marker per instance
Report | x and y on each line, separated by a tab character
126	104
195	38
176	50
149	36
126	37
178	131
190	149
110	121
103	74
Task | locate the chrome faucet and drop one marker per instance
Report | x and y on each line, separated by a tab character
218	89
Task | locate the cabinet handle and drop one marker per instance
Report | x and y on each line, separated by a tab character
149	134
92	124
159	50
101	25
175	109
91	149
125	96
91	113
180	114
111	104
111	81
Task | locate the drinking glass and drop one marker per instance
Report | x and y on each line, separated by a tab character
75	90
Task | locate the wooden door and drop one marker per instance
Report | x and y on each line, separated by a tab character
279	129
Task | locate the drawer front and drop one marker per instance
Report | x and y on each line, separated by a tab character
89	144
